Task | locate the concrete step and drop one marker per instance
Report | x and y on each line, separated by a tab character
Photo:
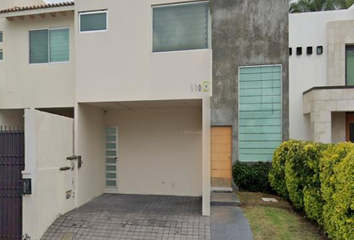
224	199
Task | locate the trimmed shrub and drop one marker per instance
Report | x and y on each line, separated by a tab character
337	178
277	173
252	176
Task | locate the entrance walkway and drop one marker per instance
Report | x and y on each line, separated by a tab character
128	217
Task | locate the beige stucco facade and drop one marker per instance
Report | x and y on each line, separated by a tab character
25	85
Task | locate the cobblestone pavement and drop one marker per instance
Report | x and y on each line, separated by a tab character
133	217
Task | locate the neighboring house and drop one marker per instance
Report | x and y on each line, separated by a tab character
159	96
322	76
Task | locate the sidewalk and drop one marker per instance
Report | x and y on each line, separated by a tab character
227	219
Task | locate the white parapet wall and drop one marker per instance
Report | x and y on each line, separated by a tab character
48	143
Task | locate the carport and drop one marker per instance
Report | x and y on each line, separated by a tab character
146	147
117	216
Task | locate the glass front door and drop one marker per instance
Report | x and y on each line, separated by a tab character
111	158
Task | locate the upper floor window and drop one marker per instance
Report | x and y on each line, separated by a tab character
94	21
49	45
350	65
1	55
181	27
1	37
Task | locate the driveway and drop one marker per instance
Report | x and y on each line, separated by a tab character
128	217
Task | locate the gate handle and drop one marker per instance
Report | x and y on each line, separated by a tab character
64	168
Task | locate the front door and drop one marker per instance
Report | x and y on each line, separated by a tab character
350	127
221	165
111	159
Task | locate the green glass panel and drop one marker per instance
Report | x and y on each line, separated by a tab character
259	137
1	55
110	168
260	129
39	46
1	37
111	130
111	153
59	45
111	183
111	145
260	122
93	22
181	27
256	157
260	112
111	138
110	160
350	66
110	175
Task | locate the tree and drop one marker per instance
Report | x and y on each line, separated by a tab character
319	5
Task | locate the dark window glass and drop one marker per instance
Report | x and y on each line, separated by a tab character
290	51
299	51
309	50
351	132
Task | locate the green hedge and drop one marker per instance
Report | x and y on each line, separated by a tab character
319	179
252	176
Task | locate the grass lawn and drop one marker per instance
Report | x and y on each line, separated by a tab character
276	221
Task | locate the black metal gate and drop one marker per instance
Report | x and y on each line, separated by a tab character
11	165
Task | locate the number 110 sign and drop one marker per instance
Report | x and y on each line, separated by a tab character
204	87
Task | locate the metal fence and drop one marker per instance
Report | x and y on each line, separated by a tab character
11	165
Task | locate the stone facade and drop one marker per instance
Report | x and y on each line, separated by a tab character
320	103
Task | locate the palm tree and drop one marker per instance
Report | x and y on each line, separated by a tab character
319	5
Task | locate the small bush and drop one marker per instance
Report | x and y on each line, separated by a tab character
277	173
252	177
337	178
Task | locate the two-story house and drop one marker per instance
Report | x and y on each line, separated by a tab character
321	76
163	95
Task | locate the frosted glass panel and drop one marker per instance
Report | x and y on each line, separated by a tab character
260	112
59	45
39	46
93	22
181	27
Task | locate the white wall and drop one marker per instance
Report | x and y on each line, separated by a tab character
159	150
118	65
89	143
24	85
308	29
48	142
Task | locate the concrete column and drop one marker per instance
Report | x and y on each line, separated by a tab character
321	126
206	157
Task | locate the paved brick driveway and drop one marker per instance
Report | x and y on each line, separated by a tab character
133	217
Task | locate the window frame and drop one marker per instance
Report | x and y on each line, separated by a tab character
179	4
48	29
281	103
91	13
347	47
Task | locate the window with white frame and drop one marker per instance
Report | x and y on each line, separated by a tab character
181	27
94	21
49	45
1	37
1	55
